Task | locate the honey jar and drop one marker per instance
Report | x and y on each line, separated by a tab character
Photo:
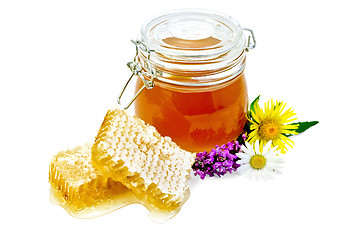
189	68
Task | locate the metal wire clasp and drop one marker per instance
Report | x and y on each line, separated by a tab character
140	71
251	39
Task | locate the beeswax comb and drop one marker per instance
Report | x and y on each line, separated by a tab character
78	185
134	153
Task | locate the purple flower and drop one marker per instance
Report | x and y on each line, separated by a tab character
244	136
221	160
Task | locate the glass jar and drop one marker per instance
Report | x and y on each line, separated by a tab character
191	63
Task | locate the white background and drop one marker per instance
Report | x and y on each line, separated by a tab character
63	63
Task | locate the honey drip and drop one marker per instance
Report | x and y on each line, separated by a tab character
121	198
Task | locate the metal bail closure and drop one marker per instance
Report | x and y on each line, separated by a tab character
137	70
251	43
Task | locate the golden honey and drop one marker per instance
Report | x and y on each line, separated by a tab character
196	121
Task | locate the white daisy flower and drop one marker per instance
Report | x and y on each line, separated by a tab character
259	162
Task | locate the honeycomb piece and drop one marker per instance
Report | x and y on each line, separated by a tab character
153	167
80	186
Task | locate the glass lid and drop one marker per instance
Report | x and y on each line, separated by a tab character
192	33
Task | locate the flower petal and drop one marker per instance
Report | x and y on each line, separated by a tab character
257	147
242	155
266	148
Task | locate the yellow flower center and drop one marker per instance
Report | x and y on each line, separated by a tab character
269	129
257	161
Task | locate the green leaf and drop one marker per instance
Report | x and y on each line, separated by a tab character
302	126
252	105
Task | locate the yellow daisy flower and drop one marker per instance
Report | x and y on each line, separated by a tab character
272	124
